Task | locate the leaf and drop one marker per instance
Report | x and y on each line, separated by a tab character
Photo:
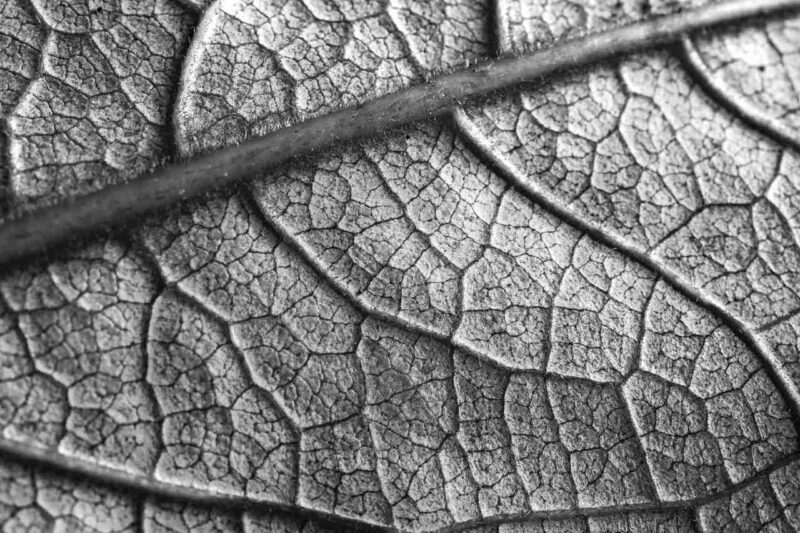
444	326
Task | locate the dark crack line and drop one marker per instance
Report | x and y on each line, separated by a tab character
52	226
716	309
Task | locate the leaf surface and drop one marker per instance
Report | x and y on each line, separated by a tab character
568	307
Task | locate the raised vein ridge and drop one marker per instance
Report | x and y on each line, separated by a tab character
115	205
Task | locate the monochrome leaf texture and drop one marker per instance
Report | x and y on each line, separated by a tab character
569	306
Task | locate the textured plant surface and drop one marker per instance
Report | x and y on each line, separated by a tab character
571	306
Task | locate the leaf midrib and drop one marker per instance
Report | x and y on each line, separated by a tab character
46	229
40	231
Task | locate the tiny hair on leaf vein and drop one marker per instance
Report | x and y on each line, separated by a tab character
44	229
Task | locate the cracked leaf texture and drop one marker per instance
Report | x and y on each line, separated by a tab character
571	306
